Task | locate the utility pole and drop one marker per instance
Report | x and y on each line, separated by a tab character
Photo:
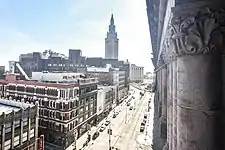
75	139
110	133
126	115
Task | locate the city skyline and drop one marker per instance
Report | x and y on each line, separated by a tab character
61	25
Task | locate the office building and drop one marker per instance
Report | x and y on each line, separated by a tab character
136	73
18	125
67	104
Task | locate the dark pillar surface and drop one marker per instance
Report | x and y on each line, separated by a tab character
198	37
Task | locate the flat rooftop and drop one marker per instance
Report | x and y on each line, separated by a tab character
7	106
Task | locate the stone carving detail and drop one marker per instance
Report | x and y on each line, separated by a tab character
198	33
169	46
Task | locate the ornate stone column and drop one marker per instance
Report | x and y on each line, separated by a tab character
198	40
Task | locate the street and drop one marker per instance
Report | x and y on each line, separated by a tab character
125	127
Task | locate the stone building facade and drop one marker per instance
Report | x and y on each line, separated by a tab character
65	108
105	99
52	61
187	39
18	125
136	73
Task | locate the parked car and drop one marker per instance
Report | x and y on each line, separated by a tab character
143	124
114	115
131	107
145	116
102	128
95	135
107	122
142	128
85	144
144	120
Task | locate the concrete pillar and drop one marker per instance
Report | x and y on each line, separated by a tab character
3	131
170	101
21	128
163	118
28	123
198	96
198	43
169	107
164	93
174	121
13	129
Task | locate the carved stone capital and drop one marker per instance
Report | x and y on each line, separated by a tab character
198	31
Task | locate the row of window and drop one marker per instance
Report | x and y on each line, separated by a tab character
66	115
65	127
64	65
41	91
8	143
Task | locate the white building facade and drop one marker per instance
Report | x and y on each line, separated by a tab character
136	73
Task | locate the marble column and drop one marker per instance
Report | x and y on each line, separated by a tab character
198	39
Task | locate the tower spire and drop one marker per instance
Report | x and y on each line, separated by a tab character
112	25
112	20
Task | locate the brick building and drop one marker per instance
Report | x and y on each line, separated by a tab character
18	125
66	105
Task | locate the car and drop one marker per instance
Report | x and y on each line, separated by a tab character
114	115
145	116
95	135
142	128
143	123
107	122
102	128
131	107
144	120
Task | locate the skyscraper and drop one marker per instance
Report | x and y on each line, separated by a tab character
111	41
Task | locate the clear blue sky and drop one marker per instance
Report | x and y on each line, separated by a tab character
36	25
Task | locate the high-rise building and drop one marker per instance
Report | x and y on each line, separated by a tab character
111	41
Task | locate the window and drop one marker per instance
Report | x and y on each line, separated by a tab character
29	89
25	121
58	115
12	87
40	91
20	88
71	93
8	128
